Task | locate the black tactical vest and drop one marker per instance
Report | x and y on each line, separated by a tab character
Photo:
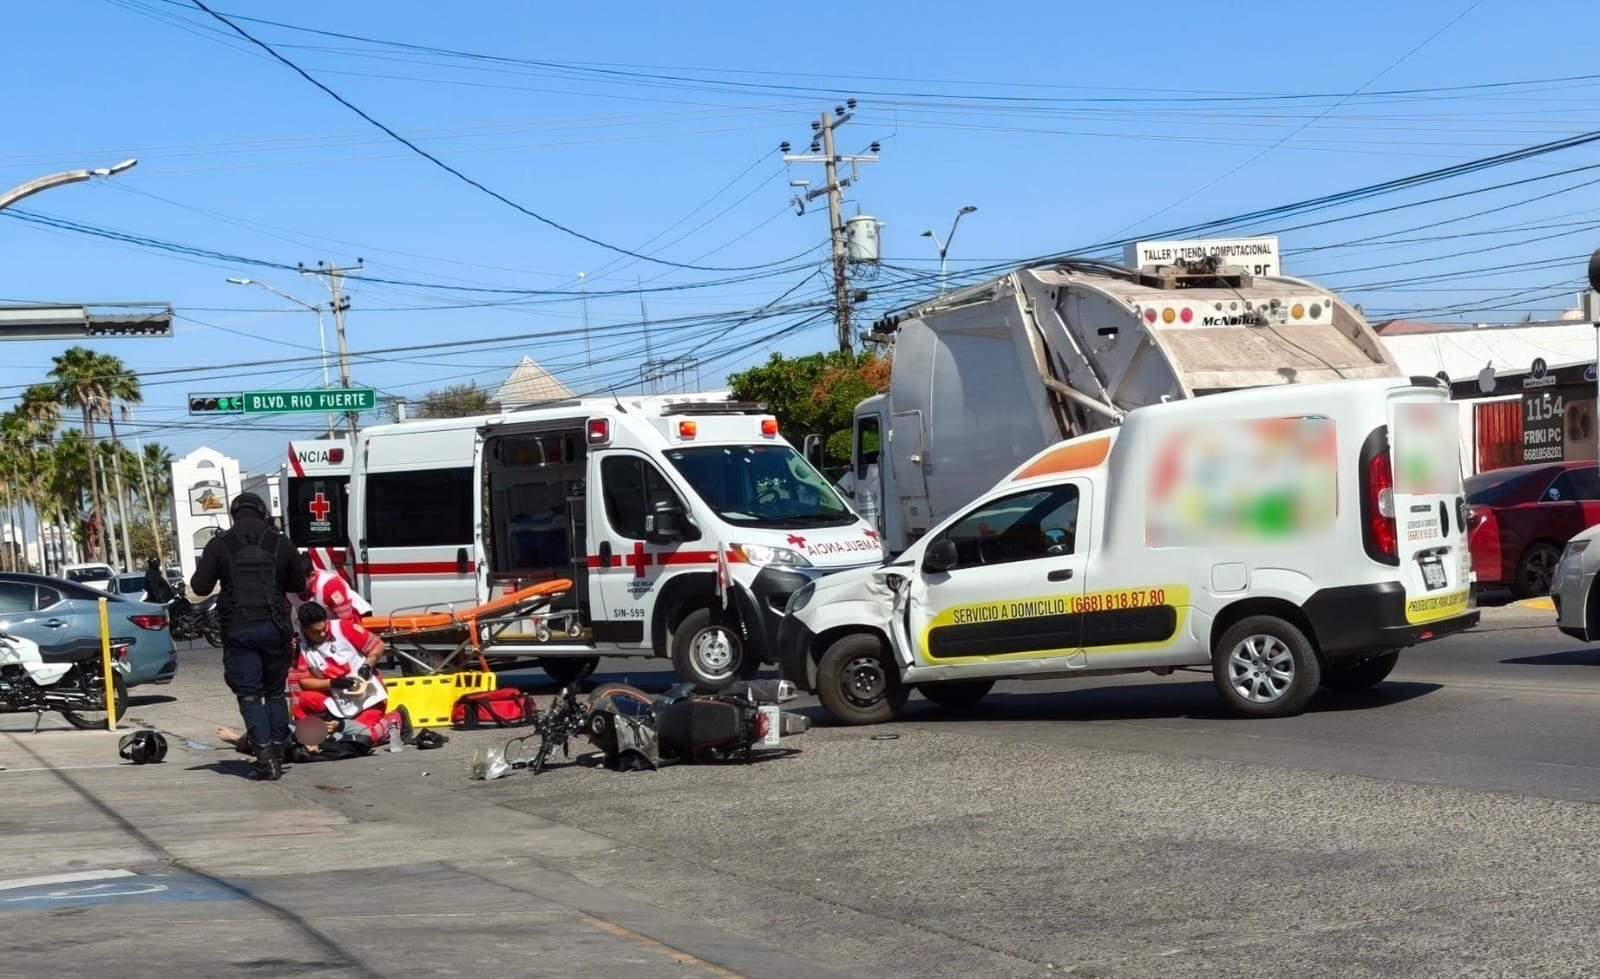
254	597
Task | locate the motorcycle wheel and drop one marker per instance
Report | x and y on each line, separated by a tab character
86	719
213	633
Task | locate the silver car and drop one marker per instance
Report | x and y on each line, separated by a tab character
1572	587
56	612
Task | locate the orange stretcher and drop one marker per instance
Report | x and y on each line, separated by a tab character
417	634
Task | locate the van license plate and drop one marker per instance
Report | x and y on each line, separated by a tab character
1433	573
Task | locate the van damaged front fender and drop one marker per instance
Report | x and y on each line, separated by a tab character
851	601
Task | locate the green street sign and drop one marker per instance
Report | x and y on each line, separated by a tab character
322	400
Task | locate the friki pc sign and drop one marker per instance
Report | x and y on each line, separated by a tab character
1257	256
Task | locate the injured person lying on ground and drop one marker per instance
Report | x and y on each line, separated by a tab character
337	699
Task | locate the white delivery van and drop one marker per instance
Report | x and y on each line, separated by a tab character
684	523
1280	538
315	495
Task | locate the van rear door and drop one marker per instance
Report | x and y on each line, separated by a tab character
1429	504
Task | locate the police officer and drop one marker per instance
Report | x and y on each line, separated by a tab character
256	567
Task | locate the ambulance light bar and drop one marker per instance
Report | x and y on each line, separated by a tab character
714	408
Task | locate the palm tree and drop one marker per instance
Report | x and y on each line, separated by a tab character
41	410
14	447
68	478
155	474
81	384
122	385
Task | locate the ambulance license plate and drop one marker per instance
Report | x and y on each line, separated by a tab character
1433	572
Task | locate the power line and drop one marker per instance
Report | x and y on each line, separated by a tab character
459	175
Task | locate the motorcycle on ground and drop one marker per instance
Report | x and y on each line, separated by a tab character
636	731
195	621
67	678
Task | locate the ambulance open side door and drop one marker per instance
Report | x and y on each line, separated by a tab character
1005	582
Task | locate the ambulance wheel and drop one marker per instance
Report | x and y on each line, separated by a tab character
956	695
1357	676
858	683
422	662
1265	667
567	670
710	653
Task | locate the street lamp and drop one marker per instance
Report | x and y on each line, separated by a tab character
32	187
322	337
944	246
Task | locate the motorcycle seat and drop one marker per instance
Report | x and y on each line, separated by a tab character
71	652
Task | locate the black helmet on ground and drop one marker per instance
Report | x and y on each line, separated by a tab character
247	501
142	747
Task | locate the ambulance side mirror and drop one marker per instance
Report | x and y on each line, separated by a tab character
668	524
813	451
940	557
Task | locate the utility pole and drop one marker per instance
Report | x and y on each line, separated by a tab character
833	187
339	305
122	488
144	478
588	362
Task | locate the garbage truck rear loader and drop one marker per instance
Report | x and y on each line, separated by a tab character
985	377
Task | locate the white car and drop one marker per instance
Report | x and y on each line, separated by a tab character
97	576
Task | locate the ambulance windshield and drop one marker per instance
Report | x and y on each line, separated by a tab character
761	486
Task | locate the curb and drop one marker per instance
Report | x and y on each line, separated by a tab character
1542	604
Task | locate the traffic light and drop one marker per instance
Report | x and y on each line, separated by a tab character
216	404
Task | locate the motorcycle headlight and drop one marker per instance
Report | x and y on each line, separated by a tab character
801	598
761	555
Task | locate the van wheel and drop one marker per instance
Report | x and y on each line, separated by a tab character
1356	676
567	670
1265	667
857	683
956	695
1536	570
710	653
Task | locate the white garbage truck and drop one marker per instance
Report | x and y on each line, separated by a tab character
987	376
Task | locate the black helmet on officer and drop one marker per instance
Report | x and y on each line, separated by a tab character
247	502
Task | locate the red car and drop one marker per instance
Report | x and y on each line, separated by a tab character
1519	519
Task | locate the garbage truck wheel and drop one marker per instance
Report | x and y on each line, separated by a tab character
858	683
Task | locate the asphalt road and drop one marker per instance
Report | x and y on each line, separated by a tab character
1441	825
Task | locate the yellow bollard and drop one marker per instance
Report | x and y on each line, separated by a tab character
105	664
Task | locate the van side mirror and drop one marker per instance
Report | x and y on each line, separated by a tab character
940	557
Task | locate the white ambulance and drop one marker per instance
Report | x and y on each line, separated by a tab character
315	500
684	523
1281	539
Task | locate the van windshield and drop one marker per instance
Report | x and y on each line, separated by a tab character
761	486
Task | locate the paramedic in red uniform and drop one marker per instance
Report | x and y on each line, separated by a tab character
336	681
332	592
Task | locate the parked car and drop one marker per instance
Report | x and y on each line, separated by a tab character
129	586
1520	518
1577	603
94	575
54	612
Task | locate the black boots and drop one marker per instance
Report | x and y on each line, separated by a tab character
269	763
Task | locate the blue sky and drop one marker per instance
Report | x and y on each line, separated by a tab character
655	127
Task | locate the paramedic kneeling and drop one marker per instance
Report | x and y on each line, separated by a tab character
255	566
338	684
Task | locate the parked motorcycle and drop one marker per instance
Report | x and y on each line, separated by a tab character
68	678
195	621
636	731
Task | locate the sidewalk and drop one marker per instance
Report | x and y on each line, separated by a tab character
345	869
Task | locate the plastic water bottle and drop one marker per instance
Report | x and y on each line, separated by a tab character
394	737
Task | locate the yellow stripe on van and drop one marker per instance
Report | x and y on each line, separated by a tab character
1432	608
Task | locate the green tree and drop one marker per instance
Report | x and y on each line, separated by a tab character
454	401
81	384
815	395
